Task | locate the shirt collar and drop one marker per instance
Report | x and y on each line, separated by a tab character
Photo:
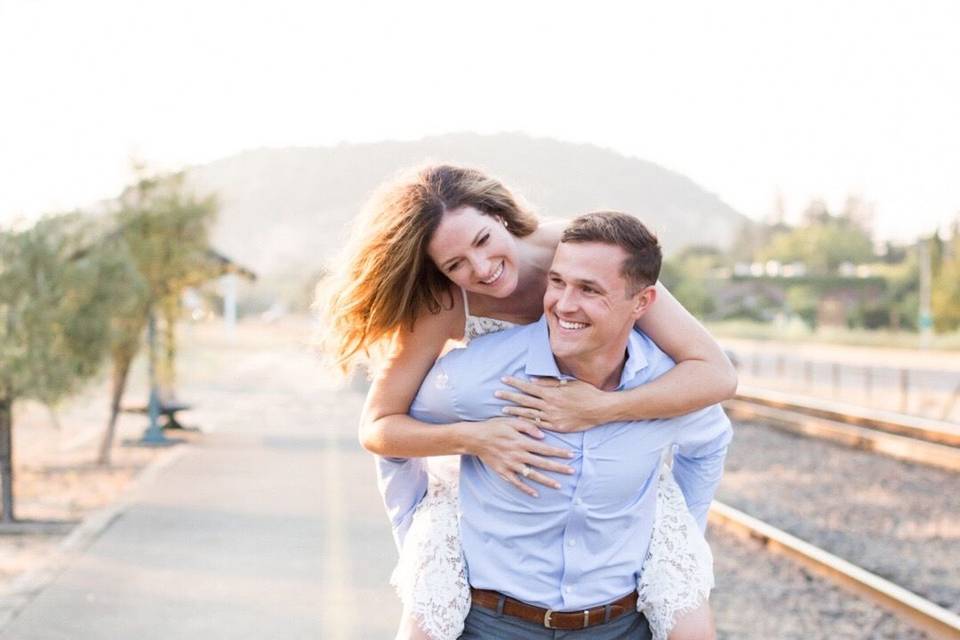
541	363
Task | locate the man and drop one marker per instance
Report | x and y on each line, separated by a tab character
570	557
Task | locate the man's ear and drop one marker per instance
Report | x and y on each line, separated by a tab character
643	299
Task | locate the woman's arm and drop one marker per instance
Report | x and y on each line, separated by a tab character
703	376
506	445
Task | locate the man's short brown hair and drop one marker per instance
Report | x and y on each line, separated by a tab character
642	266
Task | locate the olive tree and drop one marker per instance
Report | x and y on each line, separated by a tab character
56	305
165	229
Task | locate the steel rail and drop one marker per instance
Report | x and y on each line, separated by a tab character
938	431
916	611
896	446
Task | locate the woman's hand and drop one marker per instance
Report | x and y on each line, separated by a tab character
511	447
566	406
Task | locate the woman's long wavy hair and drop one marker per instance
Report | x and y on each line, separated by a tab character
384	280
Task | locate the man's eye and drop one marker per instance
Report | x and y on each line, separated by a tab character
589	290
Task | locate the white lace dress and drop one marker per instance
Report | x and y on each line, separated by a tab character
431	575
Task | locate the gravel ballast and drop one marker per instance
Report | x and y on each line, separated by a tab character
762	596
898	520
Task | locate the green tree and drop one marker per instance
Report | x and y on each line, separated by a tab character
165	229
687	275
902	295
823	242
945	293
751	237
56	302
127	325
802	301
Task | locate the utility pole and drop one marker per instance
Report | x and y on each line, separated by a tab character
925	319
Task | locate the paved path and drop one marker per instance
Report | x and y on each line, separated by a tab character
267	528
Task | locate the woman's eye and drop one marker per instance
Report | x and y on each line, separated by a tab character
454	266
483	240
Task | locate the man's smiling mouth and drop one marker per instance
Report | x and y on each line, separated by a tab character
566	324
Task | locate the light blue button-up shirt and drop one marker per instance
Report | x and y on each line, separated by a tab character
585	543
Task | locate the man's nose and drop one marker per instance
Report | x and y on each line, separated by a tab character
567	302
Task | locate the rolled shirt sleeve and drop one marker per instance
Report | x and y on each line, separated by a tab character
702	440
403	484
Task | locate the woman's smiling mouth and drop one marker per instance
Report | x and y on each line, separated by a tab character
496	275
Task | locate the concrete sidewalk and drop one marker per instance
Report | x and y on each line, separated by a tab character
270	527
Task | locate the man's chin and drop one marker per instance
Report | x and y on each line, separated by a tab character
564	348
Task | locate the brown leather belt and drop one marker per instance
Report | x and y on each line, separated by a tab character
555	619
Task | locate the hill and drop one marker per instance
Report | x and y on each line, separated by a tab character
285	211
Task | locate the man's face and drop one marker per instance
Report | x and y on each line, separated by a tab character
588	311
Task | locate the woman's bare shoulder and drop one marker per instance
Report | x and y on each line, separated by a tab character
409	357
445	321
555	225
549	231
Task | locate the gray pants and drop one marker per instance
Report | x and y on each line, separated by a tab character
486	624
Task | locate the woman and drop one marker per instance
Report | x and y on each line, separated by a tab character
448	253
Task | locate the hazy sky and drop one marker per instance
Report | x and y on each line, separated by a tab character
747	98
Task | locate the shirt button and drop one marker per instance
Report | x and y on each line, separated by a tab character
572	542
578	501
567	589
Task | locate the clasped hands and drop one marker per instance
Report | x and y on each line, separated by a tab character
512	447
565	406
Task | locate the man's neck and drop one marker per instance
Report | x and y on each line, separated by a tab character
602	370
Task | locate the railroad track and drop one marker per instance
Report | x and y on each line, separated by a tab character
912	609
919	440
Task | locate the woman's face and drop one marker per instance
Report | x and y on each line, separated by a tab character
476	252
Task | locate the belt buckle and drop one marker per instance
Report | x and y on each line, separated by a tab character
546	618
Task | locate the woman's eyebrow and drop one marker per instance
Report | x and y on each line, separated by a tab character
476	238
